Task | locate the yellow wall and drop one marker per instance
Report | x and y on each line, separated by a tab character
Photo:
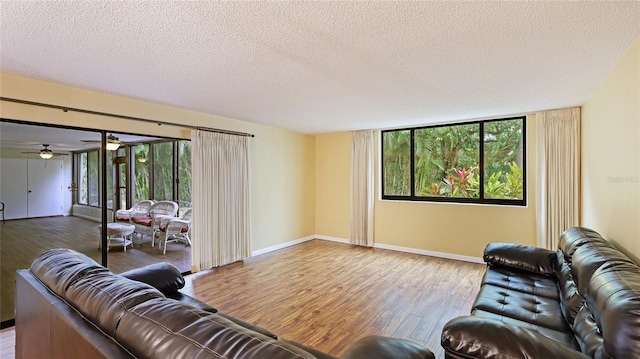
457	229
282	162
333	181
611	155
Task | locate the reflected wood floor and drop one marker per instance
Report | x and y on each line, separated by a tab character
21	241
328	295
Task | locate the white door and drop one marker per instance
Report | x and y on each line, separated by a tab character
44	190
13	187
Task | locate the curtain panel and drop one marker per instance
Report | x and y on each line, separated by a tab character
558	174
362	191
221	199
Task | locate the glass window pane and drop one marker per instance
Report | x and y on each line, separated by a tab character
503	159
163	171
122	185
93	178
446	161
83	170
141	171
110	190
396	165
184	173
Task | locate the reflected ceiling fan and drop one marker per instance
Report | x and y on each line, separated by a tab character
113	142
46	153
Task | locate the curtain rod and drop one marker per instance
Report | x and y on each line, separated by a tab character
67	109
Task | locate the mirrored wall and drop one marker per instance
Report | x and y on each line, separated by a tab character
56	191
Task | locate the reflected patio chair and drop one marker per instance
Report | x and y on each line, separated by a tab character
149	224
176	230
139	209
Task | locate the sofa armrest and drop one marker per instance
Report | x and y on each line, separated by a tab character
476	337
531	259
376	347
163	276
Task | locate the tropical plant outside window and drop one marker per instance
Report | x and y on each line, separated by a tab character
166	158
163	171
184	171
452	164
141	170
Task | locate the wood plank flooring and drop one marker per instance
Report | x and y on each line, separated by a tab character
327	295
21	241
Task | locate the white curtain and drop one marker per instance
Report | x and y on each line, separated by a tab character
221	199
558	172
362	192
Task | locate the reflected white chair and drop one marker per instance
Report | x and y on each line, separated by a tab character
139	209
150	224
176	230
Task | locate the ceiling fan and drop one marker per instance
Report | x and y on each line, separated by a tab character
113	142
46	153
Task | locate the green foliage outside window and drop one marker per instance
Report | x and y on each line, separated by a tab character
184	171
163	171
141	170
162	164
446	161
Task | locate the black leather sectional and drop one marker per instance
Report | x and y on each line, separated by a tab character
68	306
582	301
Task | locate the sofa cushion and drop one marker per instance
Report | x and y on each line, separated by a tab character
517	280
59	268
524	307
377	347
527	258
105	297
574	238
587	332
588	258
614	299
165	328
163	276
570	300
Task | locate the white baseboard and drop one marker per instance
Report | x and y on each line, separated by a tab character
410	250
424	252
377	245
281	245
332	239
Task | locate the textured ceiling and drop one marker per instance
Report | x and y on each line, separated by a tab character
317	67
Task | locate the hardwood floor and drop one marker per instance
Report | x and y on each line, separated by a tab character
328	295
21	241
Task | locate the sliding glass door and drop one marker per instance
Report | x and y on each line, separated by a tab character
126	177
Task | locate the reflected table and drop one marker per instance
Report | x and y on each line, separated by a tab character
118	234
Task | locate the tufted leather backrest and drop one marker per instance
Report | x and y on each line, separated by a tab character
600	294
614	298
574	238
571	300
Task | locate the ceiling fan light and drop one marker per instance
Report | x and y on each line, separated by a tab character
142	160
46	154
112	146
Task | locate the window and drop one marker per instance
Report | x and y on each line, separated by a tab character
477	162
159	170
184	171
163	173
141	170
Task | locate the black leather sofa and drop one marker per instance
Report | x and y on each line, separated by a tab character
68	306
582	301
